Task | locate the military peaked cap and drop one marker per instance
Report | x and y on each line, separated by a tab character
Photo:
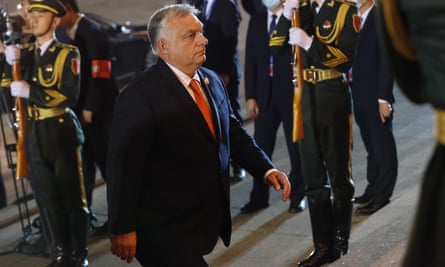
53	6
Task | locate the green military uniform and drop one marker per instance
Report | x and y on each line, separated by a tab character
54	142
326	105
414	34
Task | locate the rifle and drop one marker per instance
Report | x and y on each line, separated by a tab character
297	70
12	37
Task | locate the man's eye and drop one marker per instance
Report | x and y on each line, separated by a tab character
190	35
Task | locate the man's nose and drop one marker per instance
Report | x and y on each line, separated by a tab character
202	39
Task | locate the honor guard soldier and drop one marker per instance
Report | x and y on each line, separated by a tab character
413	34
327	37
51	86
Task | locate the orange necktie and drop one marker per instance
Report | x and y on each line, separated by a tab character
202	104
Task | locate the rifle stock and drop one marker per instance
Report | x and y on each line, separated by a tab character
297	68
22	127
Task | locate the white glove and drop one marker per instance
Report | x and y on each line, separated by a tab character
20	89
299	37
12	54
289	6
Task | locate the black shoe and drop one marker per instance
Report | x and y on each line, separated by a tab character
79	262
320	256
296	207
362	199
238	174
252	207
370	207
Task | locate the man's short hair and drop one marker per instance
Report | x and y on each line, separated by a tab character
157	21
72	3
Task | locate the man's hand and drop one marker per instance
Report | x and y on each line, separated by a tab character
124	246
279	181
289	6
87	117
225	78
299	37
252	108
20	89
12	54
385	110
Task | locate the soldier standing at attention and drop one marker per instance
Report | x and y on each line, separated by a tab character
51	86
327	37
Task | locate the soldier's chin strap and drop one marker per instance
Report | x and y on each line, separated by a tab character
440	126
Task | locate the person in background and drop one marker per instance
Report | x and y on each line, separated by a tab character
372	94
269	96
413	36
173	134
327	38
97	91
51	86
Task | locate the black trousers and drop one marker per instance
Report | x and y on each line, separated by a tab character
57	181
94	154
325	157
382	162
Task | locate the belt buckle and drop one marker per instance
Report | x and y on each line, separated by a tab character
312	76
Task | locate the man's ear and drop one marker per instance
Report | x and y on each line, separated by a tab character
163	47
56	21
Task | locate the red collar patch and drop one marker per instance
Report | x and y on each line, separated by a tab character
357	22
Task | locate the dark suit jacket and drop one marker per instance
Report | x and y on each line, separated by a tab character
256	72
221	29
168	177
96	94
370	59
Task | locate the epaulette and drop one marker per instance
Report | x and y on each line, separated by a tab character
349	2
69	46
28	46
304	3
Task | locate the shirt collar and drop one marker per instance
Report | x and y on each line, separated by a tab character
364	15
183	78
43	47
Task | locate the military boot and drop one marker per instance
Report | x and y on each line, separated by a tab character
79	221
343	217
321	214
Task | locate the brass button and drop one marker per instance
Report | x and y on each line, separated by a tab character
61	120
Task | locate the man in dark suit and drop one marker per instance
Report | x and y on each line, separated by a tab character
173	135
269	94
327	37
372	93
97	90
414	34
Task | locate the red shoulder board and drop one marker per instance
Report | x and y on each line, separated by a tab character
357	22
75	66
